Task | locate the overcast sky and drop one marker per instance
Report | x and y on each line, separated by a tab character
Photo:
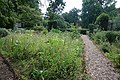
70	4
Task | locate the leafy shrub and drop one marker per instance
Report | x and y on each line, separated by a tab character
99	37
45	31
19	30
115	59
57	22
56	31
106	47
111	36
38	28
3	32
75	34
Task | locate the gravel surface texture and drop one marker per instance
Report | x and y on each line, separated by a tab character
97	65
6	73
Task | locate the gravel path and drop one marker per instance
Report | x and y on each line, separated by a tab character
6	73
97	66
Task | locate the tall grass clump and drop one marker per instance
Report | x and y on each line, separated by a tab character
51	56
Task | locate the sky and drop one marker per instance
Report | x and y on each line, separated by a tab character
70	4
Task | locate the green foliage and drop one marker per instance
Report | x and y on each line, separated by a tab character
115	60
111	37
55	6
116	23
45	31
102	21
98	37
38	28
19	30
19	11
3	20
55	31
91	28
54	56
106	47
91	9
54	19
73	16
3	32
74	31
32	3
109	44
108	6
57	22
29	20
8	14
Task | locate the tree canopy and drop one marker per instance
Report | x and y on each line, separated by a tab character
102	21
14	11
73	16
93	8
53	11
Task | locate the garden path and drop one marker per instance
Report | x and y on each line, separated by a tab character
6	72
98	67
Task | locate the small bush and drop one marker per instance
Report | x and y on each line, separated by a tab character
106	47
111	36
55	31
75	34
45	31
38	28
19	30
3	32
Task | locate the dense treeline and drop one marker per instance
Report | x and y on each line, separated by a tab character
20	11
28	13
101	13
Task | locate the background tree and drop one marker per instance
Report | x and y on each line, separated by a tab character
73	16
54	9
103	21
108	6
93	8
30	17
14	11
90	10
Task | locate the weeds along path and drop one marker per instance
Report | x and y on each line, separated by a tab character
6	72
97	66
